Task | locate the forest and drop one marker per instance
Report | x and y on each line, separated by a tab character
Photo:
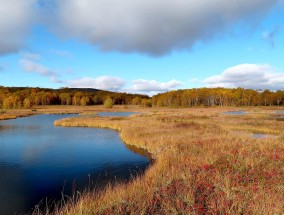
25	97
218	97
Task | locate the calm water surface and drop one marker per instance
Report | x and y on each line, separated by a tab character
38	160
235	113
116	113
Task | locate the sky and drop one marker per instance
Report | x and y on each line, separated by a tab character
142	46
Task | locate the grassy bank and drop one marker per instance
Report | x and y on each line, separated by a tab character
13	114
200	166
6	114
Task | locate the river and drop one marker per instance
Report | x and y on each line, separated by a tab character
39	162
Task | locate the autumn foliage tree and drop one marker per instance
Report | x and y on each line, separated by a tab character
218	97
108	103
21	97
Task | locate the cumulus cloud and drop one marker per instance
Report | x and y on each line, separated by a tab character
152	87
144	26
154	27
270	35
35	67
102	83
16	19
149	87
252	76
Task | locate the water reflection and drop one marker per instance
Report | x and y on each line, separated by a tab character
259	135
38	160
139	151
5	128
278	115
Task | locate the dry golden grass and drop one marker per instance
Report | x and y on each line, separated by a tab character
200	166
13	114
60	109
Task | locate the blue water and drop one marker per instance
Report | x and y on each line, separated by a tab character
39	161
280	114
116	113
235	113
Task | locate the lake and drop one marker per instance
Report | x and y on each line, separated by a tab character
39	161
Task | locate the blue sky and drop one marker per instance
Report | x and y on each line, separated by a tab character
140	46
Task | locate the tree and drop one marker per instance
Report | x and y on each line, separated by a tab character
108	103
279	96
267	97
11	102
65	98
27	103
97	100
146	102
136	101
2	97
84	101
77	98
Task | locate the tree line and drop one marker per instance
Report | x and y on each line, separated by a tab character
218	97
25	97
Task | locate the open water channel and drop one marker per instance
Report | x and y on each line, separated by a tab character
40	162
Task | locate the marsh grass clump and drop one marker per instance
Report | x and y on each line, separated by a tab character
199	166
13	114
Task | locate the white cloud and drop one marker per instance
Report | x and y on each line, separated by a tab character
15	22
154	27
152	87
149	87
144	26
102	83
252	76
35	67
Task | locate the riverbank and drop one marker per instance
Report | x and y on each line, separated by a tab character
200	165
60	109
8	114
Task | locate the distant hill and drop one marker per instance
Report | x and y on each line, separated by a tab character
84	89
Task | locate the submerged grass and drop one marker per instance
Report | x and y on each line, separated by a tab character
199	168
